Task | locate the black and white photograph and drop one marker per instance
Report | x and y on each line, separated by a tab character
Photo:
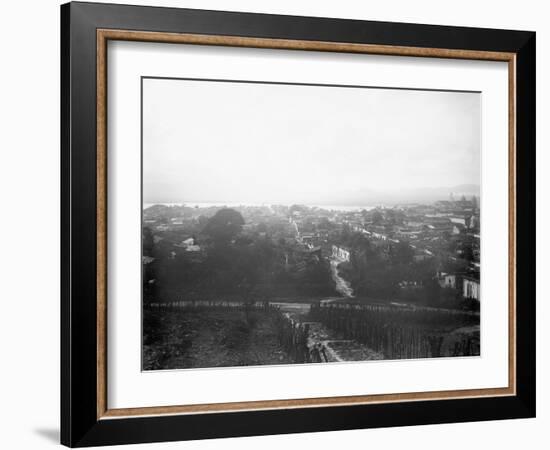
277	224
298	223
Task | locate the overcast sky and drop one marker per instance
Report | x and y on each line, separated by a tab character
207	141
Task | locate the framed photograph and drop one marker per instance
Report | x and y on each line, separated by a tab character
278	224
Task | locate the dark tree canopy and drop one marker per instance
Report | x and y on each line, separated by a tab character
147	241
401	253
224	225
377	217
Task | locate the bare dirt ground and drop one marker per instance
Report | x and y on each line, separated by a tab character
336	348
182	339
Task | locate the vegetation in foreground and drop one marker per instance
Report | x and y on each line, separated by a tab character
187	338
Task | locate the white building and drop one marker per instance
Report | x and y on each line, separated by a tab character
471	288
447	280
341	253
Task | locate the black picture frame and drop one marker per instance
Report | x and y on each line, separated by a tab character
80	425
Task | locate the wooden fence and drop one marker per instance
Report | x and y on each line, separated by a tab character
399	333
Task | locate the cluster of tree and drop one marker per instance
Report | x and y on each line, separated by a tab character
389	272
386	217
230	264
376	270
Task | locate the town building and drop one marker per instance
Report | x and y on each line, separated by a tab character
341	253
471	287
446	280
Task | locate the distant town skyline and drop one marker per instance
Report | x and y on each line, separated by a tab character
206	141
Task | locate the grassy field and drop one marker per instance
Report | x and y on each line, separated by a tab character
186	338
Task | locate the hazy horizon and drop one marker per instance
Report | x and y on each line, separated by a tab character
226	142
406	199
